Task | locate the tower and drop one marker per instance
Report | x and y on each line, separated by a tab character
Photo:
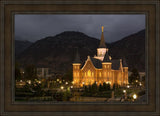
125	69
76	69
101	50
106	69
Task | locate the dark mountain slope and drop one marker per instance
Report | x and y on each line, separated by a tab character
58	52
20	46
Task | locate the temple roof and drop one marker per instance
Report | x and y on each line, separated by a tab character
77	58
106	58
98	63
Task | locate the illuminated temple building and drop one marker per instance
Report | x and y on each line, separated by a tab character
101	68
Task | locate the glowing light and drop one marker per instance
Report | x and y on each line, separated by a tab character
57	79
21	81
83	83
89	73
71	86
29	81
66	83
72	82
140	84
124	91
108	82
134	96
62	87
136	80
128	86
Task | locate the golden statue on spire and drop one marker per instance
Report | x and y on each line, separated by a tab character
102	28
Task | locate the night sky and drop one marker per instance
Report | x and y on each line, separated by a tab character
35	27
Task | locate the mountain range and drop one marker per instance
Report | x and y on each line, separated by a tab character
58	52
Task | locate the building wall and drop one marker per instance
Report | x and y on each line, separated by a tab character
88	74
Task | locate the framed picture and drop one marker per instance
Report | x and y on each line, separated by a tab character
79	57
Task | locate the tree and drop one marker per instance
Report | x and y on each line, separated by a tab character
30	72
68	75
85	89
108	86
66	95
134	76
94	88
100	88
104	86
115	86
17	72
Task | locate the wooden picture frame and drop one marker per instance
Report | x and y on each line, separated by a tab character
9	8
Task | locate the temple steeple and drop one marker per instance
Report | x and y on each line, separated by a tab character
101	50
102	42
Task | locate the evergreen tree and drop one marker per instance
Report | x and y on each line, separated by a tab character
114	86
108	86
134	76
94	88
100	88
86	89
104	86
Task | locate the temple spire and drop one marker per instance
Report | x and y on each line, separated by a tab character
102	28
102	42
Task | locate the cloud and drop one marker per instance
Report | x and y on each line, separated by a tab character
35	27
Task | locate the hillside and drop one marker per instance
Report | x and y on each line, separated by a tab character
57	52
20	46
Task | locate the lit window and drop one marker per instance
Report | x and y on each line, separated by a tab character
89	73
100	74
92	74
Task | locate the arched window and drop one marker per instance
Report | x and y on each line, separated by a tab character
92	74
89	73
85	74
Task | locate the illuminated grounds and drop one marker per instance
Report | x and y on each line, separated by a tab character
64	90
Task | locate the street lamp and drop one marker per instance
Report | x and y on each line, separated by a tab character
134	96
140	84
124	91
128	86
62	87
